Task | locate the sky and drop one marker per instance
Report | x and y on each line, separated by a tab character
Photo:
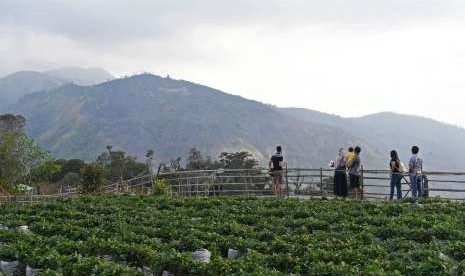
345	57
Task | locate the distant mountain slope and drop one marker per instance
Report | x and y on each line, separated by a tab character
171	116
442	145
16	85
81	76
314	116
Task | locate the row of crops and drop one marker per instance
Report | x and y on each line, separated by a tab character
145	235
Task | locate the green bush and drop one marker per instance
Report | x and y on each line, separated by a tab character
93	178
160	187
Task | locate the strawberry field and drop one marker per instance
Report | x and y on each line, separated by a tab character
143	235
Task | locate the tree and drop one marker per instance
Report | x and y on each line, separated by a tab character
93	178
19	155
149	159
67	166
237	160
71	179
46	171
195	161
10	123
10	166
34	159
119	166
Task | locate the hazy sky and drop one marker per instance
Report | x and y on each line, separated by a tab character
339	56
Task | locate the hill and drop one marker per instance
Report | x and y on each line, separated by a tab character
16	85
171	116
441	144
19	84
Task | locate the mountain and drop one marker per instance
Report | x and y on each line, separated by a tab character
171	116
441	144
81	76
16	85
19	84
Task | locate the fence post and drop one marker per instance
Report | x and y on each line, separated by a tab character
287	182
247	185
321	182
362	184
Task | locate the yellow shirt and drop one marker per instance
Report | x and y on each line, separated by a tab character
350	156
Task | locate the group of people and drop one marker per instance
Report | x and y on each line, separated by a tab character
350	162
398	169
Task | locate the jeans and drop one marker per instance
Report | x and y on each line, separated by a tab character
413	184
395	182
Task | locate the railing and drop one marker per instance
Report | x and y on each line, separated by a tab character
297	182
303	182
31	198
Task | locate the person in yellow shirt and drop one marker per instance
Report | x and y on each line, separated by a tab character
350	154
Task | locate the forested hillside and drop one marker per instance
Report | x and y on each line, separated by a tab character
170	116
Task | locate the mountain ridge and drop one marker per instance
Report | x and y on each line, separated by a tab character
390	130
171	116
18	84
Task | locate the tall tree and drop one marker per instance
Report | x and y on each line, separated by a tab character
119	166
10	123
19	155
149	156
67	166
195	161
93	178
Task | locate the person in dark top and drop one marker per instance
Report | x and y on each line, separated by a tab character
355	173
340	175
415	170
276	170
396	175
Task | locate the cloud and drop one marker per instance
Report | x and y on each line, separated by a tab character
291	53
98	22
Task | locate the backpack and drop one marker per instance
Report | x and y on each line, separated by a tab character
402	168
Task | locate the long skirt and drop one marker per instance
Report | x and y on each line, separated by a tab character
340	183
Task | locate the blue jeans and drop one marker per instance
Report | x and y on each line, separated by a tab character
413	184
395	182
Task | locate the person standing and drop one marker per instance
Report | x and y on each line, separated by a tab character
350	154
276	170
355	173
396	175
340	175
415	166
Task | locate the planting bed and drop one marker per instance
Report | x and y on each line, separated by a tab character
143	235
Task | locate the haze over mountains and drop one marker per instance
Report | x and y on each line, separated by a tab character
171	116
18	84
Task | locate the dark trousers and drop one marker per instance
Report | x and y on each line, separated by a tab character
395	183
340	183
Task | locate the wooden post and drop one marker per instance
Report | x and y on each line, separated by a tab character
321	182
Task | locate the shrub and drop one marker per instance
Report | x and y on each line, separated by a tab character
93	178
160	187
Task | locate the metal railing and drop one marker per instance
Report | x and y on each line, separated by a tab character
304	182
297	182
